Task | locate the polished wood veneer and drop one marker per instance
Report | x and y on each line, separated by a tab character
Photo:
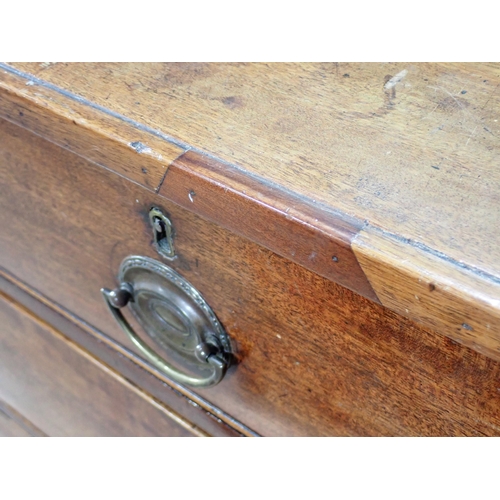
409	150
66	392
313	358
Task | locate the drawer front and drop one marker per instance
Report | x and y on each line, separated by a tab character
312	358
64	391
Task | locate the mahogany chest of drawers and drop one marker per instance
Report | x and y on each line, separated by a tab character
284	250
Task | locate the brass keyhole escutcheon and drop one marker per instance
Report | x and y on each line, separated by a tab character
163	233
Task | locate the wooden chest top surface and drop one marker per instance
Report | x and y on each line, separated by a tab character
406	153
410	148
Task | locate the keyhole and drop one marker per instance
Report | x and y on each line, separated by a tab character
162	233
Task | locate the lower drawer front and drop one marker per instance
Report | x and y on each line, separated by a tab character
64	391
312	358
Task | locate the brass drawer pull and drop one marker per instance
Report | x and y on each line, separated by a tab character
175	317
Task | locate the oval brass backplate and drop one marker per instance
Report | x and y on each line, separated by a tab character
175	318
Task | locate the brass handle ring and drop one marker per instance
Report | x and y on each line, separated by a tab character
174	315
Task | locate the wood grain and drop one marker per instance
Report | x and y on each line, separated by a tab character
303	232
410	281
283	222
183	402
13	424
410	147
313	358
10	428
107	140
66	392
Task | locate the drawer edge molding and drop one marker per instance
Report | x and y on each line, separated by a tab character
20	420
67	376
131	366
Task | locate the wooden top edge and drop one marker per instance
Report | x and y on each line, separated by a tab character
249	205
409	147
326	232
289	225
305	210
95	134
445	296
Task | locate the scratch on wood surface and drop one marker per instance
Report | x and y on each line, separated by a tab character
395	79
461	105
428	116
450	94
490	96
471	135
